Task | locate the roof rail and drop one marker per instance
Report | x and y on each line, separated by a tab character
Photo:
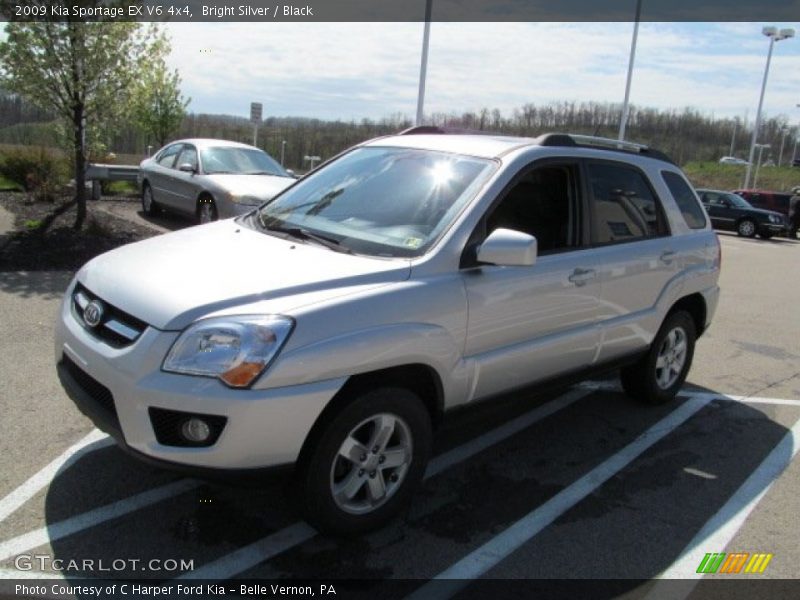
589	141
424	129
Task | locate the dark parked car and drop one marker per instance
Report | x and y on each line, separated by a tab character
730	212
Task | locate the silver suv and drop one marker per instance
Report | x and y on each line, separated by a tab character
334	326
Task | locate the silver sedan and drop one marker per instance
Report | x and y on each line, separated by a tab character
209	179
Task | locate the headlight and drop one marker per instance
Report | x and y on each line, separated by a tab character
234	349
244	199
774	219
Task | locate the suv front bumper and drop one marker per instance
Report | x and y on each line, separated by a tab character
117	387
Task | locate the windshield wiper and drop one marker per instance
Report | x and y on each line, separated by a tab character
304	234
261	173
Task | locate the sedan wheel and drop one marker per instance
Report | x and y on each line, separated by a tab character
206	211
746	228
149	206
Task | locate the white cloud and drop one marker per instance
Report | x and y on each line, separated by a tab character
355	70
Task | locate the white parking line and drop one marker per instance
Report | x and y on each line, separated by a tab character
610	386
717	533
253	554
248	557
490	438
95	440
479	561
92	518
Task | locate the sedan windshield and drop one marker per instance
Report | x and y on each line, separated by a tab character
380	201
738	201
241	161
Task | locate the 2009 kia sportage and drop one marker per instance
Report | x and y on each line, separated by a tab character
334	326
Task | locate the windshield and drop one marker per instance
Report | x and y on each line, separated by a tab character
380	201
242	161
738	201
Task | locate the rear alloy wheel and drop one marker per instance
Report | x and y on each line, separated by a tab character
657	377
363	465
206	210
746	228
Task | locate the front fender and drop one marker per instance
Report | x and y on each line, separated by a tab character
368	350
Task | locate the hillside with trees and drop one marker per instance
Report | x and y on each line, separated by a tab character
687	135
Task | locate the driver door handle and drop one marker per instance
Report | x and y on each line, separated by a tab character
581	276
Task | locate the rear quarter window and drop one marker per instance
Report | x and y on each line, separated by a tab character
690	208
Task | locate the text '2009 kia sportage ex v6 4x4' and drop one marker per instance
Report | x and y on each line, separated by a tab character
332	327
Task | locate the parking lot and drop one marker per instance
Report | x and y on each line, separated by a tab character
575	484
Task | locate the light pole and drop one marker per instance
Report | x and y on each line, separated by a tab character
733	135
624	119
774	36
758	164
784	130
283	151
423	66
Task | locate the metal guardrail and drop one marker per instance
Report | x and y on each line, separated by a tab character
99	172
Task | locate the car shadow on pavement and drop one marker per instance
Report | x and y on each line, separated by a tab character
48	285
167	220
643	517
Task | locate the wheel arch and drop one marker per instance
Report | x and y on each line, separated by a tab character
695	305
419	378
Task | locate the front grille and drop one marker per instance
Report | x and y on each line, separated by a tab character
167	427
97	392
115	327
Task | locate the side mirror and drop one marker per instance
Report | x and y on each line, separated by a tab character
508	248
292	173
187	168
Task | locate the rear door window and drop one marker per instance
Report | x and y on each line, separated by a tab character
624	206
692	212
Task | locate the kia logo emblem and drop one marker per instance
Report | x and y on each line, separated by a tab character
93	313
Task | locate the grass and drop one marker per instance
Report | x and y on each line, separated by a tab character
731	177
121	188
6	185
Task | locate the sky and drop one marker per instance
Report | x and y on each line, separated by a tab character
371	70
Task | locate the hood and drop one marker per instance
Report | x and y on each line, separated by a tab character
263	187
173	279
763	211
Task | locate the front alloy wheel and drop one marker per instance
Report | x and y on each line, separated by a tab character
362	461
371	464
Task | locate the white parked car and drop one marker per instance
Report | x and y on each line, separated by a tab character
333	328
732	160
209	179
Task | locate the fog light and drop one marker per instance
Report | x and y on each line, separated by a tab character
195	430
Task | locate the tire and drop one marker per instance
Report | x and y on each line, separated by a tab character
657	377
377	492
206	210
746	228
149	206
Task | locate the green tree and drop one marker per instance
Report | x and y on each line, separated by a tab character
159	107
83	72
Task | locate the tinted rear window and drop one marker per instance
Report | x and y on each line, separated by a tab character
690	208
